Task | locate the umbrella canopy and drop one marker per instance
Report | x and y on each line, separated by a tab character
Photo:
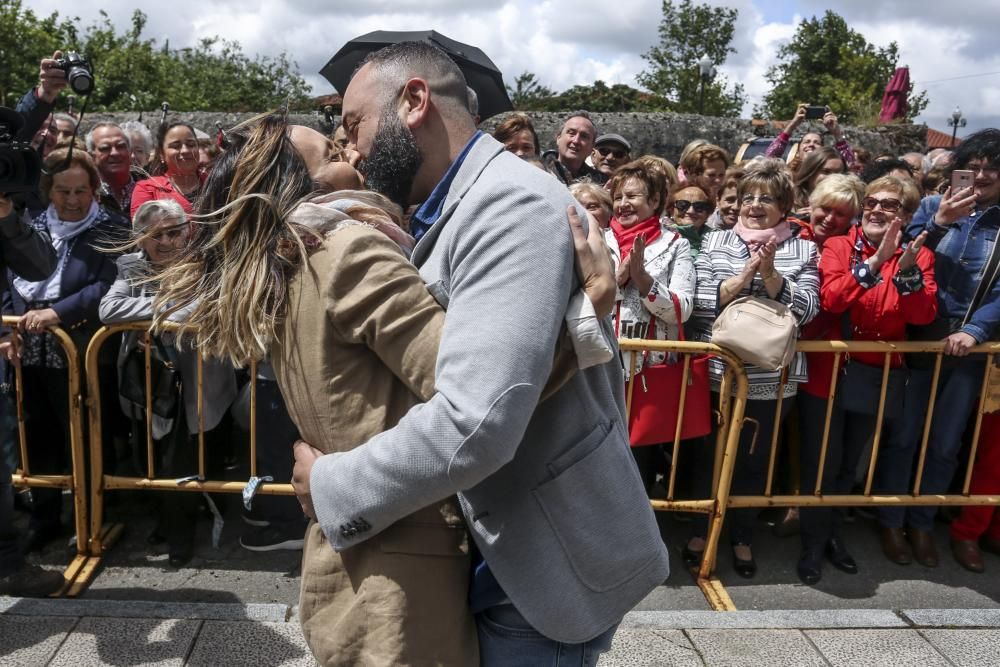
894	98
480	72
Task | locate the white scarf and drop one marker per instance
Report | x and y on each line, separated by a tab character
62	234
328	212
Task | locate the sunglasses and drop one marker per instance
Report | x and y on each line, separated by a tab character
888	205
617	153
683	205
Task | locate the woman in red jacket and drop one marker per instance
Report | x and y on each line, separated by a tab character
874	285
175	169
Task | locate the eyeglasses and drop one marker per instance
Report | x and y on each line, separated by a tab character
989	171
763	200
888	205
616	153
683	205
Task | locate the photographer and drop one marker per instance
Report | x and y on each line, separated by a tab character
29	254
810	141
37	103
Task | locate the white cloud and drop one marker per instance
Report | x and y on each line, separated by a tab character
569	42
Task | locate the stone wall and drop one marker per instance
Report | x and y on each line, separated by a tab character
663	134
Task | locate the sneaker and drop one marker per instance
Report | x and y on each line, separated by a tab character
272	538
31	581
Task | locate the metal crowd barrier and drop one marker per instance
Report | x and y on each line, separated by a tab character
103	537
733	397
81	569
816	497
729	432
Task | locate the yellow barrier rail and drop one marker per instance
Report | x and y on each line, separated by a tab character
102	536
79	570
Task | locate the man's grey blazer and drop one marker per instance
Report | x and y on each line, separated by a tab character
549	490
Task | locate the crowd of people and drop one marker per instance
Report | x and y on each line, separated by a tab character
858	249
264	243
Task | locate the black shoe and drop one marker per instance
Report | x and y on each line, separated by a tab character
691	558
274	538
745	568
31	581
810	567
839	558
179	558
37	537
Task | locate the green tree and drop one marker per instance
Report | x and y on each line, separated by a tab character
598	97
829	63
26	38
134	72
688	32
528	94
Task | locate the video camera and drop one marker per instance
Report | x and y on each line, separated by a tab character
20	165
79	72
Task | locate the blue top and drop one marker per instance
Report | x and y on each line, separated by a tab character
961	253
429	212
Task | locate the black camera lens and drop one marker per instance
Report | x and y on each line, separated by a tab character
80	81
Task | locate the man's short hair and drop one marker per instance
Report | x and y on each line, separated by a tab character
398	63
579	114
880	168
694	162
99	126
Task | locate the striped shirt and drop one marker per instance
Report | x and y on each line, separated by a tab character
723	255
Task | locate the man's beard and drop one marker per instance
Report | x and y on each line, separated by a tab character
394	160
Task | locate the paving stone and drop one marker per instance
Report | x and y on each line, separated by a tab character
949	618
966	647
791	620
650	648
240	643
254	611
127	641
860	648
32	641
752	648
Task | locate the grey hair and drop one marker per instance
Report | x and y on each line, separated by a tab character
66	117
138	127
90	135
473	101
400	62
581	114
155	210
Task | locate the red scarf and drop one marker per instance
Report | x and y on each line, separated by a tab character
649	228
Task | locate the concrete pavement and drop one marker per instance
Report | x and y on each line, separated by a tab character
115	632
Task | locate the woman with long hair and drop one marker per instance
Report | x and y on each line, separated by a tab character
320	284
175	168
816	166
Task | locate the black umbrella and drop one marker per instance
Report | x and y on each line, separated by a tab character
480	72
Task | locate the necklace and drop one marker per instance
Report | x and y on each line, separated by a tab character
177	189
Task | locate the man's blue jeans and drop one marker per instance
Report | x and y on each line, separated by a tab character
957	397
506	639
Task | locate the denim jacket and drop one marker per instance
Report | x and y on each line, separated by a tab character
962	251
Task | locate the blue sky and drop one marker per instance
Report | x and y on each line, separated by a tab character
567	42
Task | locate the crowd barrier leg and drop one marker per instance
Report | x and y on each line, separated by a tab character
78	571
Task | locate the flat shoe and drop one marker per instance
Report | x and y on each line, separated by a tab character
968	555
810	567
745	568
839	558
691	558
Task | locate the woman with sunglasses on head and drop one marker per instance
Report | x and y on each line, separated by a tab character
689	209
873	284
654	271
762	255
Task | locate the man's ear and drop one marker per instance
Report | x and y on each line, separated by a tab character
415	102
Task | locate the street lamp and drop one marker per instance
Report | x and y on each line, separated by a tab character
707	71
956	121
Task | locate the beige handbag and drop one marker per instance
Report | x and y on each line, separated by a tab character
759	331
